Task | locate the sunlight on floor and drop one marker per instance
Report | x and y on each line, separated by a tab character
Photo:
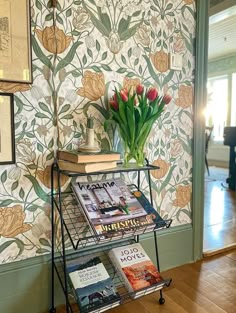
219	211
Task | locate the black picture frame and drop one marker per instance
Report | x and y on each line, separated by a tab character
7	129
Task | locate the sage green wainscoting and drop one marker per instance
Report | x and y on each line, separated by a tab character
25	285
175	246
199	127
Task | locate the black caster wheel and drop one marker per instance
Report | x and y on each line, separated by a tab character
162	300
52	311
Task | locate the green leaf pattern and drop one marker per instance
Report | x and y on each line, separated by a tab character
116	41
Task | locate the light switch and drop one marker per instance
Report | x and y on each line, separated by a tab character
176	62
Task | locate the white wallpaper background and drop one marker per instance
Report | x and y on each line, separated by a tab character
81	50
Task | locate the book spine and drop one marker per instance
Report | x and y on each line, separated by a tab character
120	272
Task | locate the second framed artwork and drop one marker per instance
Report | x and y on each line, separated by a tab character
7	129
15	41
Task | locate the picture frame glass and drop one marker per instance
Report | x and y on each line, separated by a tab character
7	133
15	43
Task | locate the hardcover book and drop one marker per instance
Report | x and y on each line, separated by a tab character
85	167
110	207
136	269
93	287
86	157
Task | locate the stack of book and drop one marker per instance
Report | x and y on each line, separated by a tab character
94	288
85	162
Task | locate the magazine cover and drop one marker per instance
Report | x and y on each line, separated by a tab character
135	267
110	206
160	223
92	284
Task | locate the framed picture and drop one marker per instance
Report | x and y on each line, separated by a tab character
15	41
7	130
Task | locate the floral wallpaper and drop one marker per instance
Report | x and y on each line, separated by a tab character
81	50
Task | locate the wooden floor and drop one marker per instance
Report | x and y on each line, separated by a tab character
208	286
219	212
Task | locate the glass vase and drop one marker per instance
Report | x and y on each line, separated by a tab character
134	155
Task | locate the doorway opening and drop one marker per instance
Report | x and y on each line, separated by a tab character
220	200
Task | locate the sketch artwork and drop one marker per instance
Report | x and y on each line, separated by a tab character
5	35
7	154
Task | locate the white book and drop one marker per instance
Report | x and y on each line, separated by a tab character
92	286
138	272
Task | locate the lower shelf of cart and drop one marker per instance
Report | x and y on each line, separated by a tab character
118	283
125	298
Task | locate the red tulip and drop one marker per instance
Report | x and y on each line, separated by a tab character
139	89
167	99
152	94
124	95
114	102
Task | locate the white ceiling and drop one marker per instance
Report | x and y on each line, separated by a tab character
222	34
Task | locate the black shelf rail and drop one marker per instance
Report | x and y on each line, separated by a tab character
125	295
79	233
119	169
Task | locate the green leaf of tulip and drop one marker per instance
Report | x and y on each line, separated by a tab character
135	115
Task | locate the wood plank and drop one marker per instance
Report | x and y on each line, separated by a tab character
200	299
185	302
231	255
219	213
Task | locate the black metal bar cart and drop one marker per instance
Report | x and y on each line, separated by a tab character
72	237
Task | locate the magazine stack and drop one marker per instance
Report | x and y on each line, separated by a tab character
113	209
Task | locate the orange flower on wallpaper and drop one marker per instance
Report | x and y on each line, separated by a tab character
183	196
161	61
14	87
130	84
185	94
163	168
12	221
53	39
45	177
93	86
188	1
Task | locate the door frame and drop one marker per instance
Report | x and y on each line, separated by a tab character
202	24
